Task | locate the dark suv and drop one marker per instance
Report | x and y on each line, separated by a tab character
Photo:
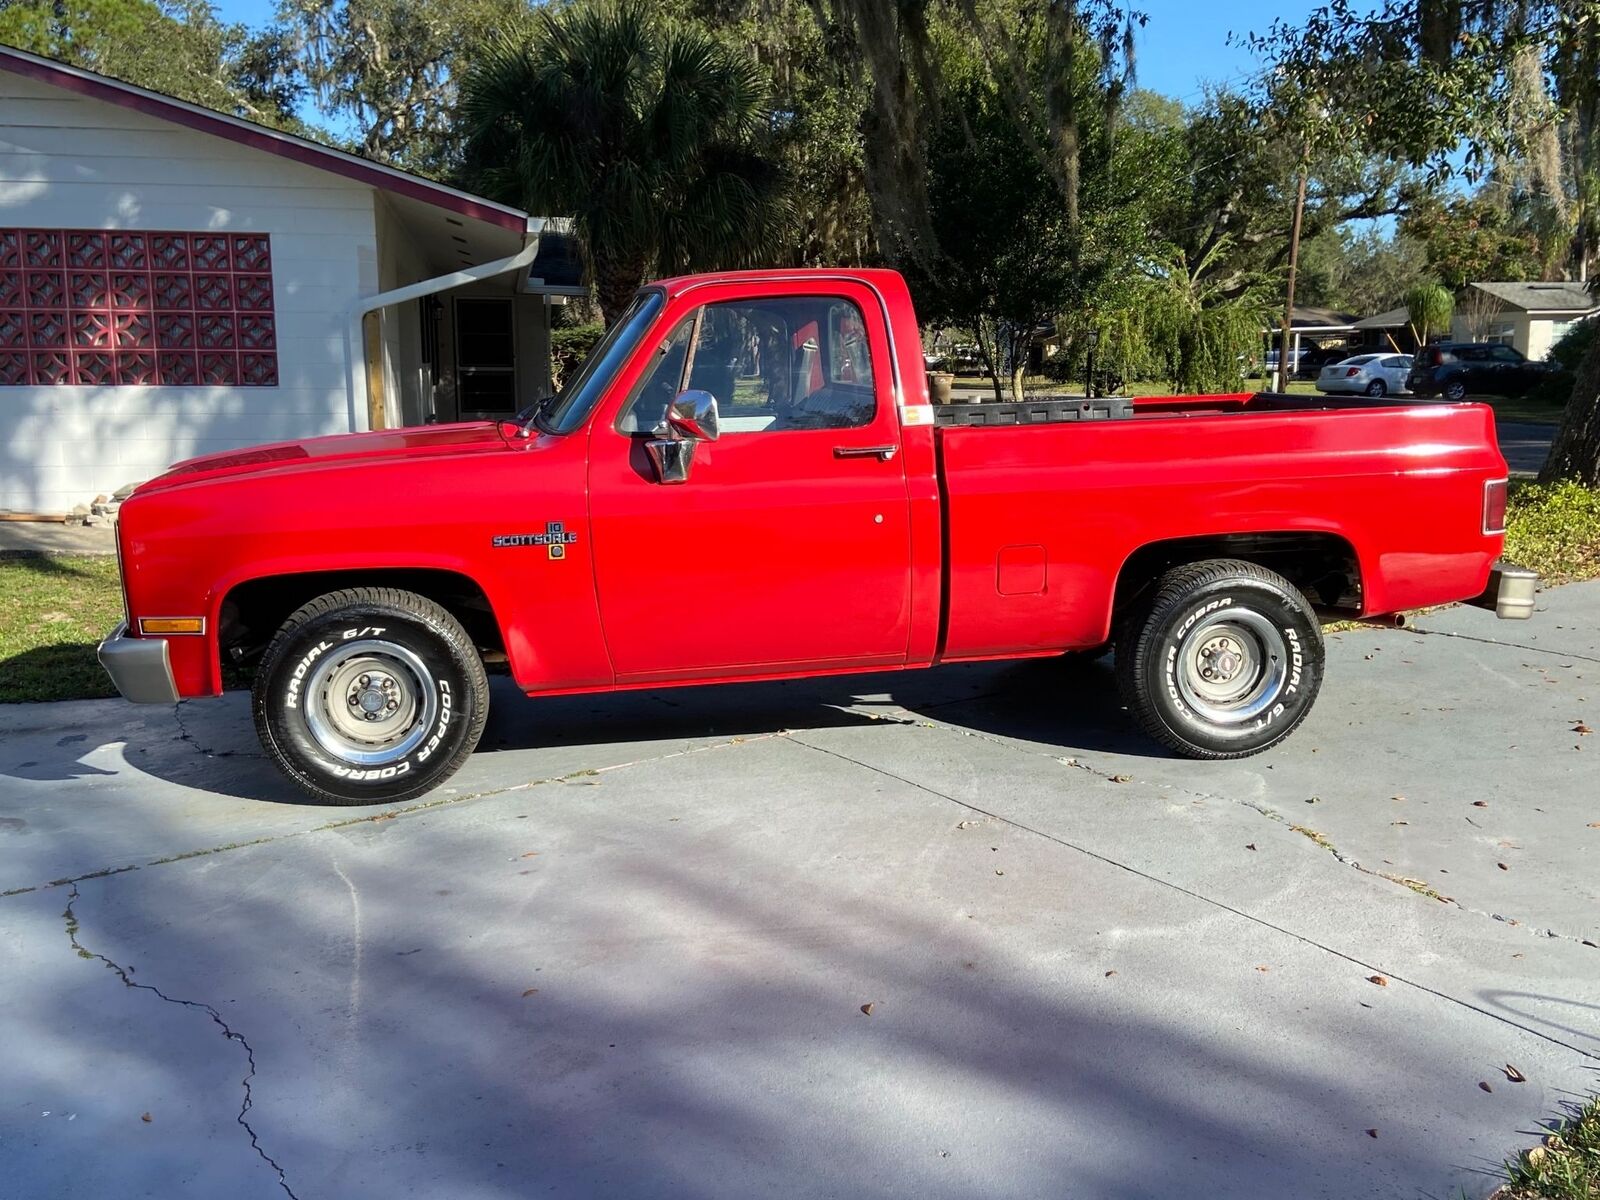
1310	363
1456	370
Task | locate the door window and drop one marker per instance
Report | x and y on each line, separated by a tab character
486	356
774	365
1505	354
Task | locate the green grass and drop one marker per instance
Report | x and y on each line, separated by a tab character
53	611
1529	410
1565	1166
1555	530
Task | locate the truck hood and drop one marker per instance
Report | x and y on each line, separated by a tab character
338	449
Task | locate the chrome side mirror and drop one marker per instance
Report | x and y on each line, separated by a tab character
692	414
691	418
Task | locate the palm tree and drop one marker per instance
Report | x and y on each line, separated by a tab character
649	134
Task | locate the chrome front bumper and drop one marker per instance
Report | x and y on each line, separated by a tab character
1510	592
139	667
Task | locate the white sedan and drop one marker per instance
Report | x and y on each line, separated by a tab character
1367	374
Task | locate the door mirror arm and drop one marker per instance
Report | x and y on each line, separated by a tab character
691	418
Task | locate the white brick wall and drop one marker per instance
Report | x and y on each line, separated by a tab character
67	161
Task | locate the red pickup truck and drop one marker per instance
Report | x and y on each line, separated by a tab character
746	481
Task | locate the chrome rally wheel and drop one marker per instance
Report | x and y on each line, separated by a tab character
371	703
1232	667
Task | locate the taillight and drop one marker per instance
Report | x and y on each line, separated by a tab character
1494	506
1353	372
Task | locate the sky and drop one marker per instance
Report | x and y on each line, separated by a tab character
1182	48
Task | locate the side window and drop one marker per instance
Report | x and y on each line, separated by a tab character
1506	354
774	365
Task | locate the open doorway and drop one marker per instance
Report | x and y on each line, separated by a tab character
486	357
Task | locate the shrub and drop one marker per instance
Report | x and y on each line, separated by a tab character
1554	529
569	346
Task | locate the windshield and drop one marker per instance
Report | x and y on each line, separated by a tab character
570	407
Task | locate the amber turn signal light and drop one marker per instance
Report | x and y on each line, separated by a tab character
157	625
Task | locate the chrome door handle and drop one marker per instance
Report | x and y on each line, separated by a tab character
881	453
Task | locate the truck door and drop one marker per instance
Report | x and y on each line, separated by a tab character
788	547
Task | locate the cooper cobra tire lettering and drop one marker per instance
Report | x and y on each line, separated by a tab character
444	720
1220	602
1171	668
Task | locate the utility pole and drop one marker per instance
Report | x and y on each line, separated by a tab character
1284	367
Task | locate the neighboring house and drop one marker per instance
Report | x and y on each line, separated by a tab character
1532	317
1386	333
175	281
1311	327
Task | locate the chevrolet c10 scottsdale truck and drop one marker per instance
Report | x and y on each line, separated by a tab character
746	480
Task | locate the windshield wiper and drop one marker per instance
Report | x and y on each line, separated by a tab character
534	413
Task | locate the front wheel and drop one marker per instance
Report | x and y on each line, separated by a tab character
369	695
1222	660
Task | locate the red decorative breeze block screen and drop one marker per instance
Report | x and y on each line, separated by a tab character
114	306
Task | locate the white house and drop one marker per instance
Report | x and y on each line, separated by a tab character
175	281
1531	317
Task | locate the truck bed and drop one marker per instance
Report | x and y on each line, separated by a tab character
1049	516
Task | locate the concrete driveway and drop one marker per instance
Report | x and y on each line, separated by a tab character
627	952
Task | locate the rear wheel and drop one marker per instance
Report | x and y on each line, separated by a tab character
1222	660
1455	390
370	695
1377	388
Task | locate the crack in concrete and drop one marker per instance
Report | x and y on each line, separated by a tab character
1201	897
1418	886
1468	637
233	1035
387	814
188	739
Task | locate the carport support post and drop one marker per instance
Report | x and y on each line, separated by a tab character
1284	370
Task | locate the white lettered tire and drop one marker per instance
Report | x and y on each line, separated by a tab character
369	695
1222	659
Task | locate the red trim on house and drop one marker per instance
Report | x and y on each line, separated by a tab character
259	137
